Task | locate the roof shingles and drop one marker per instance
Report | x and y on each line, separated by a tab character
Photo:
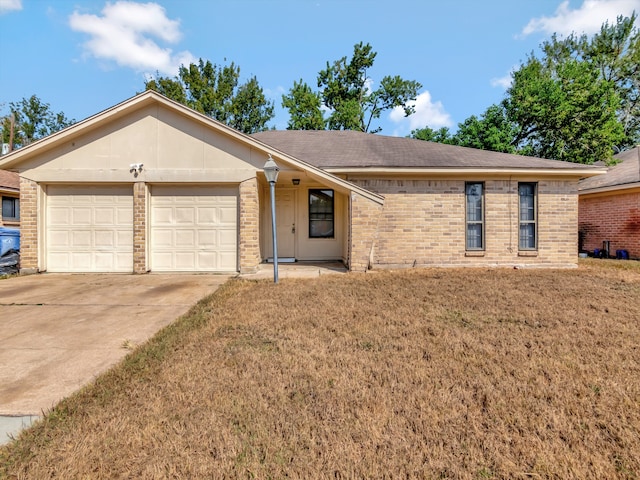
9	180
334	149
626	172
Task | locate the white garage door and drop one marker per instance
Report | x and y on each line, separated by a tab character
194	229
89	229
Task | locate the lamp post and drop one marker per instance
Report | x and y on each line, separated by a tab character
271	170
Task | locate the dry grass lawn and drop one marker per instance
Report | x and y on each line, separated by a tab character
436	373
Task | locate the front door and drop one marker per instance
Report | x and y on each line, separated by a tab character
286	223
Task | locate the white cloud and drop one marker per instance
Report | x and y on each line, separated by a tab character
505	81
128	34
586	19
428	113
502	82
7	6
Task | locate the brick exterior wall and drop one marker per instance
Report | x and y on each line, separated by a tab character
422	223
614	217
28	226
363	232
139	227
249	242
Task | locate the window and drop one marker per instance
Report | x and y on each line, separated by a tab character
320	213
475	215
527	217
10	208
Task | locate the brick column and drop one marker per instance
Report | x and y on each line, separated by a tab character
363	232
28	226
249	243
139	227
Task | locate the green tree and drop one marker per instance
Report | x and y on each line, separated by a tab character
216	92
442	135
345	90
492	131
615	52
564	111
33	119
304	105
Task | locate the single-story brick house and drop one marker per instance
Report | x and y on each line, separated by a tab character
10	197
152	186
609	207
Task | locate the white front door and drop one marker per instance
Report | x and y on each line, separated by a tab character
286	223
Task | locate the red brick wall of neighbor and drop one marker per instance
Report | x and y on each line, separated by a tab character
612	217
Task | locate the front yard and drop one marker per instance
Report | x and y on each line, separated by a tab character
428	373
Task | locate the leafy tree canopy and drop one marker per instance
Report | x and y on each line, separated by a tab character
32	119
346	93
216	92
564	111
305	108
492	131
442	135
615	53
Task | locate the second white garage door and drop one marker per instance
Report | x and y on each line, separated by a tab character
194	229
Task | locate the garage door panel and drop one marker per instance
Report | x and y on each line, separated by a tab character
162	215
80	216
208	238
162	238
227	239
207	215
227	214
185	261
104	238
185	239
59	216
185	215
89	229
80	238
203	226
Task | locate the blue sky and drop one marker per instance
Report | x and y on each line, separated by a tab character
83	56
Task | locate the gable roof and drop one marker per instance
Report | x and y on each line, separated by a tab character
345	151
623	175
14	159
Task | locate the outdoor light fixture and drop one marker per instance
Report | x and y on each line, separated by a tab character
271	170
135	168
296	181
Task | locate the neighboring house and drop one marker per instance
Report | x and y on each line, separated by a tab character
10	196
609	207
151	185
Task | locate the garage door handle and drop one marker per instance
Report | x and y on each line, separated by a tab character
293	228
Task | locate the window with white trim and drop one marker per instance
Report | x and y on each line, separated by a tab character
474	193
321	213
528	216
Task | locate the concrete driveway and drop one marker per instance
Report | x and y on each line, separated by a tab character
59	331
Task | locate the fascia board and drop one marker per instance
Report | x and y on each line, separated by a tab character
560	172
611	188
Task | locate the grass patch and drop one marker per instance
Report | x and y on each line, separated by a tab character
460	373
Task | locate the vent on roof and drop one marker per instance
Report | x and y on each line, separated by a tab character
5	149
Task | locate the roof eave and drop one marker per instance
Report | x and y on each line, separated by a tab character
458	171
609	188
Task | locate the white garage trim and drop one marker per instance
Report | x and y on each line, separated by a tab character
89	228
194	229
